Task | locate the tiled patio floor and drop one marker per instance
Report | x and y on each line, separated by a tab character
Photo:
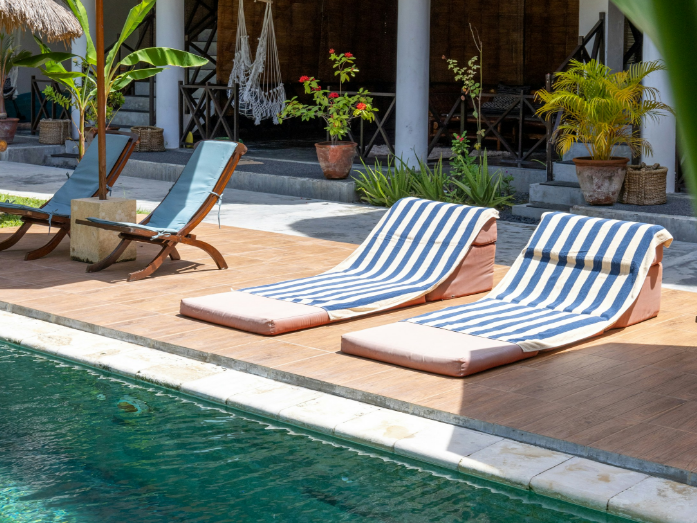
630	392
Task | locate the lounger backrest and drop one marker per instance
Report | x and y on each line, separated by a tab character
195	184
84	181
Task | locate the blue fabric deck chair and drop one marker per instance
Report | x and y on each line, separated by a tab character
83	183
190	199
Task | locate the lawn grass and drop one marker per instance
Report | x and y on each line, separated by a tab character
10	220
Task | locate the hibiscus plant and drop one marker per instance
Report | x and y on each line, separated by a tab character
337	109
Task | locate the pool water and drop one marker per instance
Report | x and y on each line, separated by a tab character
77	445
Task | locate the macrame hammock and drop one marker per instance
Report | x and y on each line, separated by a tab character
262	95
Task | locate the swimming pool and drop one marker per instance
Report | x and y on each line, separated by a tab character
77	445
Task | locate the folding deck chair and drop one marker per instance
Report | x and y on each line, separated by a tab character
577	278
189	200
83	183
420	251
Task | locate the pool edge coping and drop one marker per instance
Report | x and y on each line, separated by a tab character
400	414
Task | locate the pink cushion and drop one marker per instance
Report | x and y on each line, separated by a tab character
252	313
475	274
488	234
431	349
648	303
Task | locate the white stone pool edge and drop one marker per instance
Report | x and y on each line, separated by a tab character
549	473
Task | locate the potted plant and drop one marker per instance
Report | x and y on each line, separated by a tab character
82	86
337	109
9	54
601	110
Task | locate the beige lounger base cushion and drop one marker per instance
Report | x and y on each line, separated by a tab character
474	275
648	303
431	349
252	313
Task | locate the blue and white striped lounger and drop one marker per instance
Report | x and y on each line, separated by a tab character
576	278
419	250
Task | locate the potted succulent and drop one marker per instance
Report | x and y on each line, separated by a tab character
9	54
337	109
601	110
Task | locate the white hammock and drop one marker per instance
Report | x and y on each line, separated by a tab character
262	95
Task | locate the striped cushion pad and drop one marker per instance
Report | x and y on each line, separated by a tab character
574	279
415	247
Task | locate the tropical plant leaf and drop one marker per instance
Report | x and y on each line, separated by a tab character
135	16
123	80
44	58
81	14
163	56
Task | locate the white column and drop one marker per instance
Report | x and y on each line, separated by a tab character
169	32
79	47
413	53
661	134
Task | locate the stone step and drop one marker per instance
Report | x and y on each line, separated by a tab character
530	210
136	103
557	194
132	118
565	172
205	34
143	88
213	50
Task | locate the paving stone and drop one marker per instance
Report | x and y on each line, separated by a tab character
132	362
382	428
324	413
270	399
173	375
657	500
511	462
585	482
219	387
443	444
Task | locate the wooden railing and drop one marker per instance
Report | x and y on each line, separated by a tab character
208	108
39	103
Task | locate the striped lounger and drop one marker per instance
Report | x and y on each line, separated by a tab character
577	278
419	251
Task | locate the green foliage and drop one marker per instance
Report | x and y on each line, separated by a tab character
432	184
10	220
336	109
9	56
599	107
379	188
114	102
54	96
481	188
669	24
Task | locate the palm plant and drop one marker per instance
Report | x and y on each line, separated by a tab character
9	55
82	85
601	109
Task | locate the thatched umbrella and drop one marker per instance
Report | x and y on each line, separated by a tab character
45	17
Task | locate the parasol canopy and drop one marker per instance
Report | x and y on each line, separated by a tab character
45	17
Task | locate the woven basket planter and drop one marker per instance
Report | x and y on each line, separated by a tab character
644	185
54	132
152	139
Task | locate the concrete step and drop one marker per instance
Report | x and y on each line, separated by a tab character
529	210
142	88
136	103
556	194
131	118
565	172
205	34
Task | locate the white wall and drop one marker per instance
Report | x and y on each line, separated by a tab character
589	11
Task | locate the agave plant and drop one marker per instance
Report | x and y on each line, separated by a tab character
384	188
483	189
601	109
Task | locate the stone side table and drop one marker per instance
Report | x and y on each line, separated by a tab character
91	244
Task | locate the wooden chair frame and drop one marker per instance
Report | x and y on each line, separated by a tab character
168	243
62	223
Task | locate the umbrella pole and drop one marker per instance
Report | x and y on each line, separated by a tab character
101	100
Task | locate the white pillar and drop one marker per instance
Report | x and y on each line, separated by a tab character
413	54
661	134
79	47
169	32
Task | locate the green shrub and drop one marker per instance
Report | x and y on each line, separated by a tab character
384	189
481	188
432	184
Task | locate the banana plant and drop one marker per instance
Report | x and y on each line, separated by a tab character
82	85
671	25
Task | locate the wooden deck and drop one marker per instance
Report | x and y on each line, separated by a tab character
630	392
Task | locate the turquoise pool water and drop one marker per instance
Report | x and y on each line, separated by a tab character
81	446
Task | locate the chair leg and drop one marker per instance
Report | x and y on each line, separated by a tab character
209	249
48	248
155	264
175	255
111	259
12	240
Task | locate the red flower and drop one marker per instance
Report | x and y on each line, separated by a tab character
317	88
331	51
304	79
348	55
361	106
333	95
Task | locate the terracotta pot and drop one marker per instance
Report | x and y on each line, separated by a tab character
336	160
8	128
601	180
